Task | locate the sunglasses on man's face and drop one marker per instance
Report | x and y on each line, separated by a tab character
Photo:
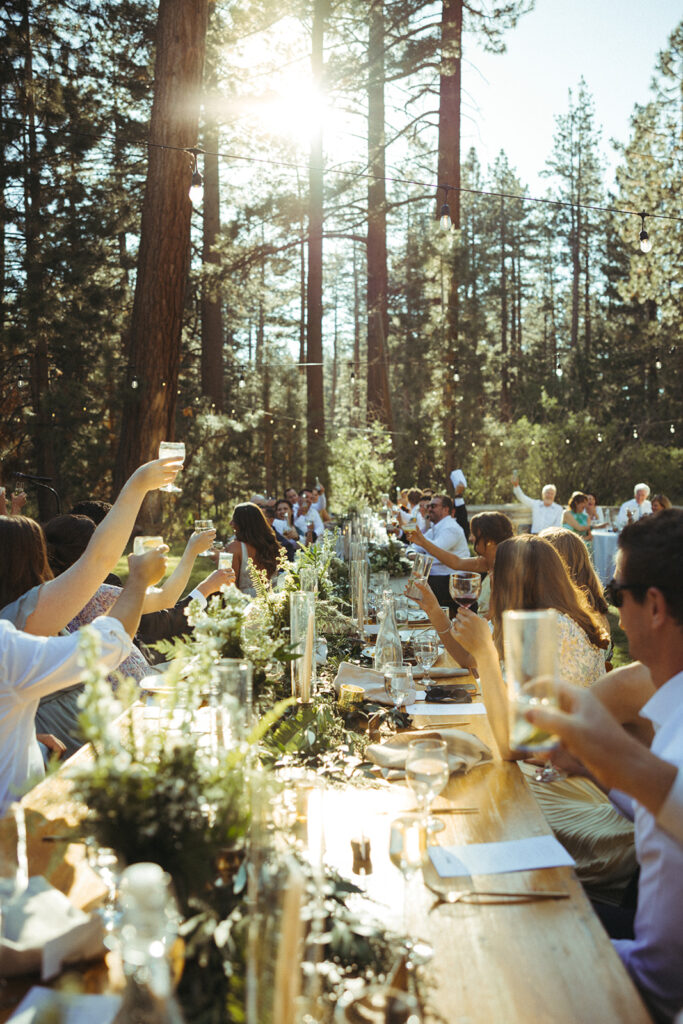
614	592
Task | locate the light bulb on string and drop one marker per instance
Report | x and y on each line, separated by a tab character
645	243
600	438
658	364
196	192
241	382
635	433
445	214
672	429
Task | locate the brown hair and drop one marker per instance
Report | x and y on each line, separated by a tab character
529	574
574	553
252	527
493	526
23	557
576	497
67	537
414	495
662	499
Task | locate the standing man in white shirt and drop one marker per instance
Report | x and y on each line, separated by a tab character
308	514
446	534
460	509
545	511
636	507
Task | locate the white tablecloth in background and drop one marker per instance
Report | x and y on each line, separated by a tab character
604	553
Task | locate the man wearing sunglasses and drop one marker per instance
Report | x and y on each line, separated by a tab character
648	591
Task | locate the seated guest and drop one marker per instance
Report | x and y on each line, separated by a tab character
35	601
544	511
319	500
596	514
636	507
648	590
308	522
575	555
284	520
292	496
254	541
660	502
459	482
444	533
269	510
575	516
32	667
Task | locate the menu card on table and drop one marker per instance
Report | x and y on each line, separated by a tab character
498	858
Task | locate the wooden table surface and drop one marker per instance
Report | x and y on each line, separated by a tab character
497	964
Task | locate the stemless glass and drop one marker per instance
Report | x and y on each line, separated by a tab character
422	566
166	449
225	560
464	587
203	526
398	683
427	773
426	652
408	852
143	544
531	648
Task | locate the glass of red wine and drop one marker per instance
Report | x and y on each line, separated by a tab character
464	587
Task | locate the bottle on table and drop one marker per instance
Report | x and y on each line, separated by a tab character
388	649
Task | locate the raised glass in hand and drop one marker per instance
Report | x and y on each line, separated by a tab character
398	683
202	526
166	449
426	652
427	773
143	544
465	587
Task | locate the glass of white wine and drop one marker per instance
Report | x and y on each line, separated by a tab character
408	852
144	544
427	774
166	449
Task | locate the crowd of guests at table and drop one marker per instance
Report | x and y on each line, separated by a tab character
622	730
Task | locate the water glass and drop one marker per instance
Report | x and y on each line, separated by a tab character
308	579
166	449
427	774
302	638
426	650
230	701
422	566
408	852
530	647
398	684
225	560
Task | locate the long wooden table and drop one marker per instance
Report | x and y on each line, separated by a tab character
545	961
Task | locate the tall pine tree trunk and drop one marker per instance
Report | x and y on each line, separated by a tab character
379	399
212	310
504	354
163	260
315	399
449	105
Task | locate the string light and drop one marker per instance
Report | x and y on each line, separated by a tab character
658	364
672	429
241	382
600	438
134	383
635	433
645	243
196	192
445	215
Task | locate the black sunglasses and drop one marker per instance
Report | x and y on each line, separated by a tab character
614	591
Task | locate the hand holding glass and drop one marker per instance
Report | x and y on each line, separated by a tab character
202	526
143	544
166	449
530	649
464	587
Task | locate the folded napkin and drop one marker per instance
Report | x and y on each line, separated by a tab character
372	682
42	930
464	751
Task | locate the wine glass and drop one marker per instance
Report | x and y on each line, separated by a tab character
427	773
107	865
203	526
143	544
408	852
426	652
464	587
166	449
398	683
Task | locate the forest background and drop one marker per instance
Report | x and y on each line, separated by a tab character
310	317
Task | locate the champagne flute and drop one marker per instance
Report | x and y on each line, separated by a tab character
464	587
398	683
427	774
408	852
202	526
426	652
143	544
166	449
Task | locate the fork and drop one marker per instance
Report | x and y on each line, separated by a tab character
493	896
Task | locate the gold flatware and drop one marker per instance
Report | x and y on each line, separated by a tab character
494	896
455	810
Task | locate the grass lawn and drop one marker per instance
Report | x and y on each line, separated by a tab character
201	569
621	655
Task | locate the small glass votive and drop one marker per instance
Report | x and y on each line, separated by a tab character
350	695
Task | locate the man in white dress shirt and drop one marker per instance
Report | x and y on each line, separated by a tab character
636	507
32	667
648	590
459	482
306	514
446	534
545	511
